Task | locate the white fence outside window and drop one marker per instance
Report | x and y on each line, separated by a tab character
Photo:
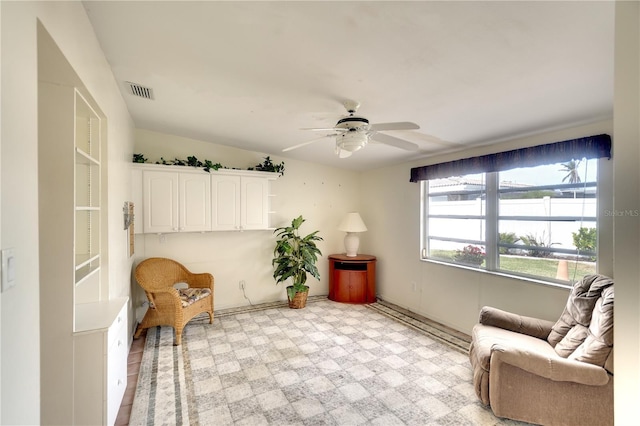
558	233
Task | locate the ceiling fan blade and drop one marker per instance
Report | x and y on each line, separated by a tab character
400	125
393	141
300	145
327	129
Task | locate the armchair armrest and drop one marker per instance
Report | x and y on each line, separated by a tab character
203	280
163	297
513	322
553	368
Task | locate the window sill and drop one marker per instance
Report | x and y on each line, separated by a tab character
528	280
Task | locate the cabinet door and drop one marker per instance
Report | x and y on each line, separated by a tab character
117	353
254	203
160	201
194	195
225	192
89	378
357	286
340	285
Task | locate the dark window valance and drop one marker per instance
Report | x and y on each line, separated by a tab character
597	146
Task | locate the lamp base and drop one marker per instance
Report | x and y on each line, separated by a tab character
351	243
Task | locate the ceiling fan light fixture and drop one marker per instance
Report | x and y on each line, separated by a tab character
341	153
352	133
352	141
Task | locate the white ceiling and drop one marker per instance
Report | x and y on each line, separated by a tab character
253	74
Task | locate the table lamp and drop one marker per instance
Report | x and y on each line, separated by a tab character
352	224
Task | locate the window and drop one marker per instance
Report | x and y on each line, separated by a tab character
539	222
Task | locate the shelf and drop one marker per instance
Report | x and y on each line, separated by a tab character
87	131
84	158
83	260
84	274
87	209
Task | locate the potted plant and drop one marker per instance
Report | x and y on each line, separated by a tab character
294	257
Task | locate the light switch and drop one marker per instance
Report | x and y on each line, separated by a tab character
8	268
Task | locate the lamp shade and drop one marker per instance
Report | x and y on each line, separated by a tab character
352	222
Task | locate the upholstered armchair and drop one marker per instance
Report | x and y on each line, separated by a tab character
169	304
549	373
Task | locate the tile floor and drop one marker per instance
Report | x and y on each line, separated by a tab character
329	363
133	367
135	358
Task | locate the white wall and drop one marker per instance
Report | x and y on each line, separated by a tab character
627	227
322	195
69	26
0	214
450	295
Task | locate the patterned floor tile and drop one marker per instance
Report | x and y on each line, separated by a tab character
328	364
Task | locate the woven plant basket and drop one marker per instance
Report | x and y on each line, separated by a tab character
299	301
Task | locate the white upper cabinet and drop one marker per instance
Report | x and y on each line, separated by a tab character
254	203
240	203
225	191
194	201
176	201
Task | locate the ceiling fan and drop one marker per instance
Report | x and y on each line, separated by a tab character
353	132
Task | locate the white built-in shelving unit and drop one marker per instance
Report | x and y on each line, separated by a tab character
84	331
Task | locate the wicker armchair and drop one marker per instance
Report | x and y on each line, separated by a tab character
168	305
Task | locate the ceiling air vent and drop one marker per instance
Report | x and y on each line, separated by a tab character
138	90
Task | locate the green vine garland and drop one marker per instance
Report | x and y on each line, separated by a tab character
266	166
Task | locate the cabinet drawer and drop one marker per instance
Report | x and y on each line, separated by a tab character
118	327
117	353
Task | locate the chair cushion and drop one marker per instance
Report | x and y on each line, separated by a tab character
191	295
578	311
584	331
598	342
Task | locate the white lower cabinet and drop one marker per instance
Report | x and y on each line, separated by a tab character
100	368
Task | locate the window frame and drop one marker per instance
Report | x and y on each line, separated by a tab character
492	220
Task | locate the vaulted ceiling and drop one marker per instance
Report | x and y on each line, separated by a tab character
254	75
